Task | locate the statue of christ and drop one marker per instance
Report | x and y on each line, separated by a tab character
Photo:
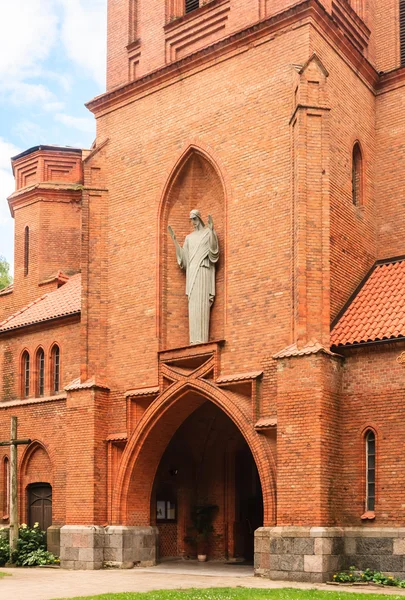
198	257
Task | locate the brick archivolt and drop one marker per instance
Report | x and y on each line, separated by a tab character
161	419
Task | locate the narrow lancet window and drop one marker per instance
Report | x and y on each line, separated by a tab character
370	471
55	369
26	250
26	375
6	487
41	372
357	175
402	30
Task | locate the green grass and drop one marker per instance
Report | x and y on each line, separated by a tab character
4	574
242	594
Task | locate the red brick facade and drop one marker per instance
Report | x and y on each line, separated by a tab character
249	112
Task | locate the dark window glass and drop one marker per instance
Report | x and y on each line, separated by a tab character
26	375
6	500
402	30
56	369
370	470
41	372
357	176
26	250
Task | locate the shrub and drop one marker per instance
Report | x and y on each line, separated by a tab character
367	576
31	548
4	551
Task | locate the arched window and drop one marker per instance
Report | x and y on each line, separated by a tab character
40	372
370	470
357	175
26	250
25	375
55	370
6	487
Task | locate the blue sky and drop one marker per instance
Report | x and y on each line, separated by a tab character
52	61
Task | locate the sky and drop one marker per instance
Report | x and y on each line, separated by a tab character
52	61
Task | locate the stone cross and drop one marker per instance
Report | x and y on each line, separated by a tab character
13	487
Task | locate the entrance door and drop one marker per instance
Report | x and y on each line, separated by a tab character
40	505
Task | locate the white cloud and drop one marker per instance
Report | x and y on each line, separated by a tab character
29	133
88	125
27	33
20	93
84	33
7	186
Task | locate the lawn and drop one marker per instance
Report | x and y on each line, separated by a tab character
4	574
243	594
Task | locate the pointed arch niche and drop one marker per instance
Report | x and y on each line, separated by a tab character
195	182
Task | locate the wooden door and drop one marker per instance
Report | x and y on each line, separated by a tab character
40	505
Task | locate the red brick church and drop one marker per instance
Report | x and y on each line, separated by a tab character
283	120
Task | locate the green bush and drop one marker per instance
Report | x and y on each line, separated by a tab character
31	548
367	576
4	551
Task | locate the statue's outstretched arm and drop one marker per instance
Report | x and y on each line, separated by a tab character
180	254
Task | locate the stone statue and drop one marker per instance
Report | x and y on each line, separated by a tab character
198	257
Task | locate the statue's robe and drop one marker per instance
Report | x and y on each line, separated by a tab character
198	257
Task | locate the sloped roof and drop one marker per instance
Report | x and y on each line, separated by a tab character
377	312
62	302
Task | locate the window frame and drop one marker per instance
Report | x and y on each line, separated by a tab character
40	373
26	250
370	499
55	370
6	487
25	374
357	175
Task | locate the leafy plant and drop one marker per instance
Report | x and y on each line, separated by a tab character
4	551
202	529
31	548
369	576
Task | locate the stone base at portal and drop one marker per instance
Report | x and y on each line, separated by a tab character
314	554
95	547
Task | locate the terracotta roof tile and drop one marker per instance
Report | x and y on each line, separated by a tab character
377	312
62	302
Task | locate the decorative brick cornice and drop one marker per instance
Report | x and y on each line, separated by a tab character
303	13
142	392
76	385
311	348
45	192
30	401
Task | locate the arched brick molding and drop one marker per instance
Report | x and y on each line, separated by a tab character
146	446
35	467
195	182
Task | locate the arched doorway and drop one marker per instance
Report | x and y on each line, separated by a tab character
207	464
40	505
140	463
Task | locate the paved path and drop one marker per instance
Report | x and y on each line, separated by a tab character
47	584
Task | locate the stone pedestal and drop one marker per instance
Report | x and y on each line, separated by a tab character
53	539
82	547
94	547
126	547
314	554
311	554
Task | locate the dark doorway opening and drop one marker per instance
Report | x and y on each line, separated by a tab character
207	463
40	505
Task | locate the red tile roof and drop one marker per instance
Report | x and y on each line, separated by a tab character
377	311
62	302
